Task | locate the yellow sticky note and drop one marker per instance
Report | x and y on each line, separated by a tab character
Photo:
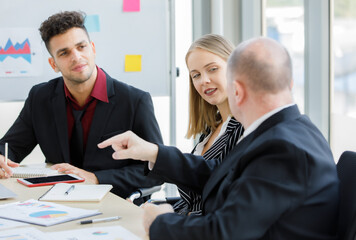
133	63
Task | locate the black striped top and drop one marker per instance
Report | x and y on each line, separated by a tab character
191	201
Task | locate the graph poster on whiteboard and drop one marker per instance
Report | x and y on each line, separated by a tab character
132	41
20	53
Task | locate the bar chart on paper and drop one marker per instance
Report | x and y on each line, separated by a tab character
20	53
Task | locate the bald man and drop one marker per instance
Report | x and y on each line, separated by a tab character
280	181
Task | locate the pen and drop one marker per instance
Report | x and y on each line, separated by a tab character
6	152
69	190
100	220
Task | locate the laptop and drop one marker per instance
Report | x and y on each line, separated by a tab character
6	193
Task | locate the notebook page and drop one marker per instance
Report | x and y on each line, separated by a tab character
25	172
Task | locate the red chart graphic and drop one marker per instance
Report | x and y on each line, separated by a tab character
16	51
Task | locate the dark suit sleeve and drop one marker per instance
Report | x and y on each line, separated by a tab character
131	177
184	170
145	124
20	136
269	187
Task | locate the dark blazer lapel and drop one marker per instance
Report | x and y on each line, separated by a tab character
60	117
102	113
233	160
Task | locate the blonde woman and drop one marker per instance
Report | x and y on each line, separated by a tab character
209	113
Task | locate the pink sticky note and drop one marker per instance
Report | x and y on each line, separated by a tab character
131	5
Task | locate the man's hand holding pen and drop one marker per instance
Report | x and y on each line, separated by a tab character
6	170
5	164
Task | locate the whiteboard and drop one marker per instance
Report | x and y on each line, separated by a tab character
115	35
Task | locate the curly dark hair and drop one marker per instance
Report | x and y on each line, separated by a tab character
60	23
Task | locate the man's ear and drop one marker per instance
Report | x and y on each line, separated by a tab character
239	91
93	46
291	84
53	64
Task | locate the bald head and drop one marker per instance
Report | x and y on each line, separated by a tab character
263	64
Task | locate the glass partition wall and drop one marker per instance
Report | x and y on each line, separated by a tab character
284	21
343	107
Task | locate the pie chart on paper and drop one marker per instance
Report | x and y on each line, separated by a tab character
49	214
100	233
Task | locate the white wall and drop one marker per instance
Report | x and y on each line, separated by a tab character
9	112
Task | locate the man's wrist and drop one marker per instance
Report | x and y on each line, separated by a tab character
95	179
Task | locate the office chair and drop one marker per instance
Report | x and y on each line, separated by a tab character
346	169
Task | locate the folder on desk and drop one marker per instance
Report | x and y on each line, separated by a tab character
80	192
43	213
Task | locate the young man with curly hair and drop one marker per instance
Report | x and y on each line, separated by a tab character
69	115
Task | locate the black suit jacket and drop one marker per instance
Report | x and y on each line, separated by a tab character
43	121
279	182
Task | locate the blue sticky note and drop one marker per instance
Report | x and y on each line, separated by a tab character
92	23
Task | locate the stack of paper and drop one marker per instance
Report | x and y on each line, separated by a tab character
78	192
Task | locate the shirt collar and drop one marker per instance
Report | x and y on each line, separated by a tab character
99	91
259	121
200	146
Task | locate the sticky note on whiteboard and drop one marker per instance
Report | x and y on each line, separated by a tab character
131	6
133	63
92	23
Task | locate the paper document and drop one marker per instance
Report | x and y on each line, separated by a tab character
43	213
80	192
27	233
5	224
94	233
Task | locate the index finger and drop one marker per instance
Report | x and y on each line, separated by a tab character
107	142
118	139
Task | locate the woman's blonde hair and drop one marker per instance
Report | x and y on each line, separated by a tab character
203	115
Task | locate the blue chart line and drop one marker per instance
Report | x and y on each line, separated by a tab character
16	51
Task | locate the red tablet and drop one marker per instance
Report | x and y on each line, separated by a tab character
50	180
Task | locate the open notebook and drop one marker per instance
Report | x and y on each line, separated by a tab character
26	172
78	192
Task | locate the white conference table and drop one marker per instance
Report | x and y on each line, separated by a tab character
110	205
